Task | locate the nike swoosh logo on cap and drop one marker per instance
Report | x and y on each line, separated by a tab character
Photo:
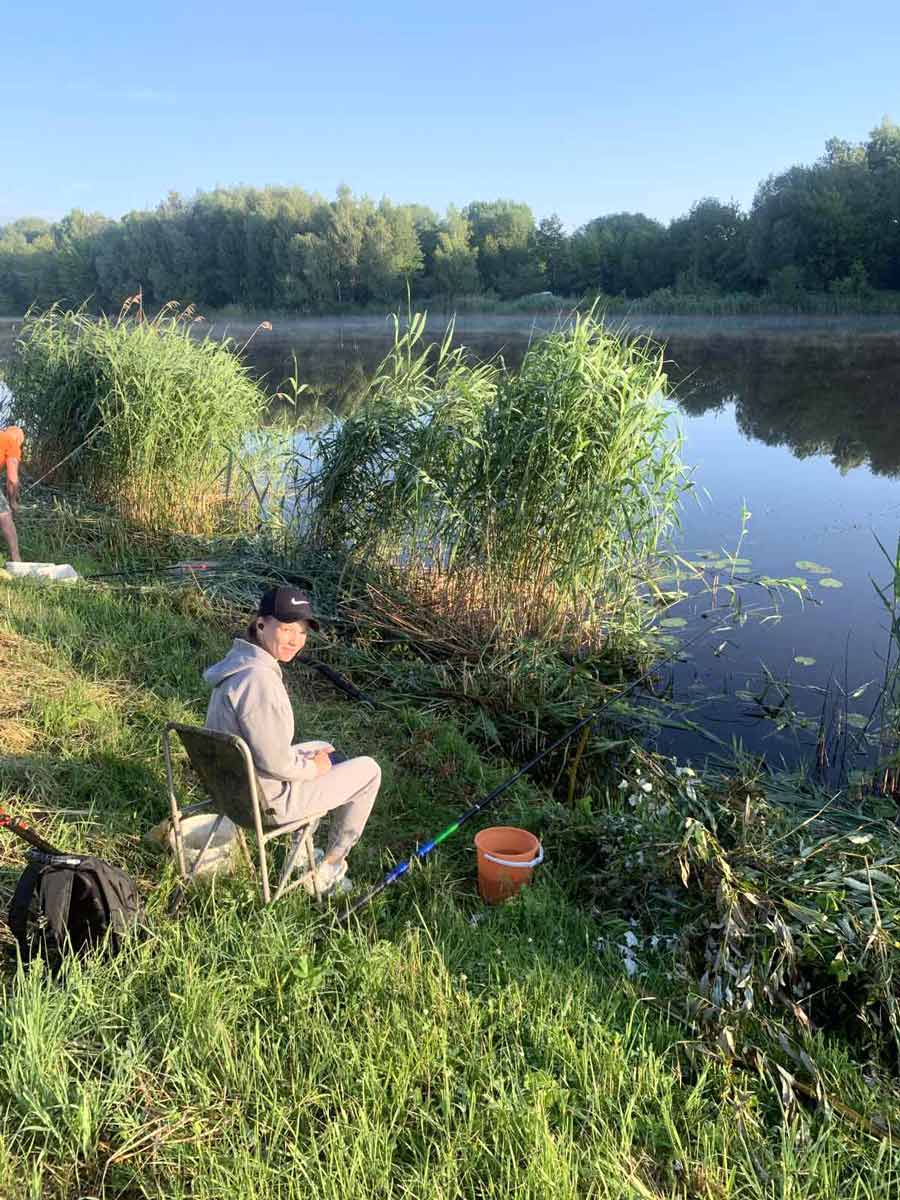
293	601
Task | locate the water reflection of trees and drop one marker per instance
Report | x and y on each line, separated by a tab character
841	401
333	382
336	371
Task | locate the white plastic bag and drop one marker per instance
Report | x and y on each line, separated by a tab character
222	849
48	572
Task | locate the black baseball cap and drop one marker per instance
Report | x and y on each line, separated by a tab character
288	604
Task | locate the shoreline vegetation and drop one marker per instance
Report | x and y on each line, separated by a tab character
696	998
831	228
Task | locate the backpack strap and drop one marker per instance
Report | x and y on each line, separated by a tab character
56	901
20	907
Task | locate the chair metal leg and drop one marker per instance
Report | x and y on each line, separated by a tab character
311	859
258	828
195	866
174	808
264	870
242	842
294	851
301	850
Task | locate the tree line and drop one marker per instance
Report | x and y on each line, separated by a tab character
831	226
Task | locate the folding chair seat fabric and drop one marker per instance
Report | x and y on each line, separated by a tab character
225	767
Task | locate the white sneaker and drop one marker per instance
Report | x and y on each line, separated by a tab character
342	886
330	879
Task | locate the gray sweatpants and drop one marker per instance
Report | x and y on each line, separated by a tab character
348	793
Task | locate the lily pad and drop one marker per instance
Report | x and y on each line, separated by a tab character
803	660
857	720
830	582
673	623
797	580
816	568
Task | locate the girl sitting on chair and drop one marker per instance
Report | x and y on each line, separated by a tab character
249	699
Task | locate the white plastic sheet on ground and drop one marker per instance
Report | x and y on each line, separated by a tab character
48	572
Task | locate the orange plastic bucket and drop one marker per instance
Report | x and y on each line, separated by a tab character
506	860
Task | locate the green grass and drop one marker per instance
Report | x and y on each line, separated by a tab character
437	1049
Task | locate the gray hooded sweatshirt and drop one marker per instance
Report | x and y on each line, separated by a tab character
249	698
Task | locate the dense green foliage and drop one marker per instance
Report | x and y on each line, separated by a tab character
833	226
533	493
139	412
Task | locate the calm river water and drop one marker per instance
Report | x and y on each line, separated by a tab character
802	430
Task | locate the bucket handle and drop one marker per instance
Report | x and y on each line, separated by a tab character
502	862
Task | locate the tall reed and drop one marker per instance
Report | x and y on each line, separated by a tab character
140	412
531	498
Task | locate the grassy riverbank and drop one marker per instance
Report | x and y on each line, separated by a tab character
437	1049
696	999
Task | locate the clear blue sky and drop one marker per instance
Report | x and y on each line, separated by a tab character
579	108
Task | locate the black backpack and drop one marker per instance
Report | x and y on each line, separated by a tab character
71	903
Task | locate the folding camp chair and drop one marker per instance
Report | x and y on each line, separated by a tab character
225	766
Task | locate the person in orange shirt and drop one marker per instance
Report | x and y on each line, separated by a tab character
11	440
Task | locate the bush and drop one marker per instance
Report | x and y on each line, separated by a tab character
530	495
139	412
781	903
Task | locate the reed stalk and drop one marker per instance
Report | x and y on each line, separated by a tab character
535	497
138	411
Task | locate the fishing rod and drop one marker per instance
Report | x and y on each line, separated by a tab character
187	567
423	851
26	833
338	680
71	454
